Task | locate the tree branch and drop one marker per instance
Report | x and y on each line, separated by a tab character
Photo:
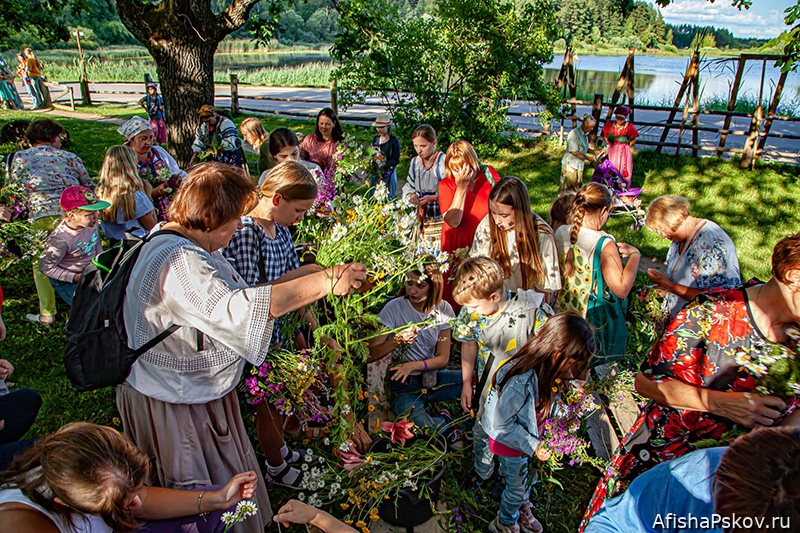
235	16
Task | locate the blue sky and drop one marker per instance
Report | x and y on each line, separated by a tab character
764	19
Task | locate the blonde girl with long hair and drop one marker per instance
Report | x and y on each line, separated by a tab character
120	185
255	135
518	239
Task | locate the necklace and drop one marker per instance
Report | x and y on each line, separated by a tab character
433	159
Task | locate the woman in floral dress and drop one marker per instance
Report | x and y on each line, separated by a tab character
702	374
320	146
156	165
702	255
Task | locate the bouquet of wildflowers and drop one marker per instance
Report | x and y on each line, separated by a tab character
355	161
18	239
369	480
164	175
560	432
293	382
377	232
774	366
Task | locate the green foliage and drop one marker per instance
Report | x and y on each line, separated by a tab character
457	69
42	21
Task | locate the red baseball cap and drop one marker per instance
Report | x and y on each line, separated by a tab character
79	197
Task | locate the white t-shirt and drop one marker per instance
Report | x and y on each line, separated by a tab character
482	246
400	312
587	241
83	523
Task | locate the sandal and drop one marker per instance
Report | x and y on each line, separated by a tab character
39	318
291	459
280	477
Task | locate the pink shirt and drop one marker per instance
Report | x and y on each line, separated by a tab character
67	252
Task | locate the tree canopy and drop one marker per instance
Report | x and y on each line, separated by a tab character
456	68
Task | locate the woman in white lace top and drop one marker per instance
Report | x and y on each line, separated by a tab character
179	404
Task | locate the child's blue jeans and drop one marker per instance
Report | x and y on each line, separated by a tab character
64	289
484	458
517	491
407	396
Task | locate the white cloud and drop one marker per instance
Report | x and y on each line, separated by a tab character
721	14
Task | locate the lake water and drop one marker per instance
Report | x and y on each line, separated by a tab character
656	80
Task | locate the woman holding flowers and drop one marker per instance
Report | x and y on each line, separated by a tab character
702	256
45	170
717	367
179	404
320	146
419	353
262	251
155	164
217	140
464	199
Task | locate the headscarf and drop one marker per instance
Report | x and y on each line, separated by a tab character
622	110
134	127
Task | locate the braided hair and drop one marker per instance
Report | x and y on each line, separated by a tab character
590	199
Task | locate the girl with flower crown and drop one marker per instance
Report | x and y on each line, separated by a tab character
419	354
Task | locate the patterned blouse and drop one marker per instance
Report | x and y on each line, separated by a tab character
319	152
45	171
708	345
709	262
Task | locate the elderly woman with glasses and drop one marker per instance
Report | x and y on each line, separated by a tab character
701	257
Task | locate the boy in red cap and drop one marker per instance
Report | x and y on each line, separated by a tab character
75	241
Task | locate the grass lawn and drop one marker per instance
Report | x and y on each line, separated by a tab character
756	209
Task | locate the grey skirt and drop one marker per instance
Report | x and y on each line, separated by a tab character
194	445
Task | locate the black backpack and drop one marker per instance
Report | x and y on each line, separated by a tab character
97	353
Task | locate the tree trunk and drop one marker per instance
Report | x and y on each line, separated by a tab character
186	72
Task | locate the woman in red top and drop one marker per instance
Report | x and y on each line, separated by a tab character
621	136
320	146
463	199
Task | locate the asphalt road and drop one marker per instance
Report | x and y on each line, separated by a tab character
252	99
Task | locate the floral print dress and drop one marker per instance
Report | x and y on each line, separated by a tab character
703	346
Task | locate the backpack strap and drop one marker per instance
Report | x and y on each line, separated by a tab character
487	368
597	275
155	340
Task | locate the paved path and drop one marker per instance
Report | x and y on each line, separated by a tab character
314	99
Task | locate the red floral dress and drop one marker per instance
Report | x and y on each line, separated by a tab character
699	347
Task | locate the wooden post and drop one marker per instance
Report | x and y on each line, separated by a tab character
748	154
597	110
695	110
629	81
621	84
737	80
234	95
71	97
565	63
771	112
334	98
572	89
693	64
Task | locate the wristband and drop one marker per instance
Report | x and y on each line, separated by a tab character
635	253
199	500
425	363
